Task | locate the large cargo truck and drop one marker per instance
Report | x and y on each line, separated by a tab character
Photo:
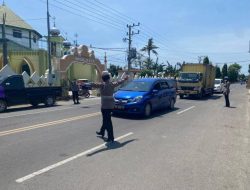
196	80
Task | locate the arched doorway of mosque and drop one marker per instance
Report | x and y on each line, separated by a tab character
25	67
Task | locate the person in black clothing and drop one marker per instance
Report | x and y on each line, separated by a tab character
226	91
74	88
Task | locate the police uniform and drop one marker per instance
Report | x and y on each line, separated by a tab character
107	104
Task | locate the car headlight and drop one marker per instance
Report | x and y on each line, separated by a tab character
135	100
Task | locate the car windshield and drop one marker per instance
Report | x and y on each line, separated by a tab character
137	86
189	76
217	82
1	80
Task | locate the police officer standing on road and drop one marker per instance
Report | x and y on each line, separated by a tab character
75	89
107	103
226	91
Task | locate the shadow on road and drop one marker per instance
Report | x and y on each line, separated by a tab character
113	145
158	113
27	108
85	107
214	97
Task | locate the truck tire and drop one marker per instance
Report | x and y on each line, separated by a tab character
147	110
49	101
200	95
3	105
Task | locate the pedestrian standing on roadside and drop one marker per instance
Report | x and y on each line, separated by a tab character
226	91
107	103
75	89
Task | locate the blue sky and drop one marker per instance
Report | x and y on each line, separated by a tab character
182	29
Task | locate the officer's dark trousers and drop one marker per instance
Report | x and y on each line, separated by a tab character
107	123
227	100
75	96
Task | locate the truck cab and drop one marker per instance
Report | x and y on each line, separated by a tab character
196	80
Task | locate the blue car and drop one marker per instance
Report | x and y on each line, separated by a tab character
143	96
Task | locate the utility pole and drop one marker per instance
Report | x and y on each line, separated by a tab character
49	49
130	33
76	36
105	62
249	47
5	51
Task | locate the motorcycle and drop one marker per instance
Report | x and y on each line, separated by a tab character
85	90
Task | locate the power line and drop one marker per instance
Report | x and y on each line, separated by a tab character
100	12
94	16
82	15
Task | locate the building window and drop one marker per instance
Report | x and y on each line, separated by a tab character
17	33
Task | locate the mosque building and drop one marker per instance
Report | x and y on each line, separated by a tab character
24	54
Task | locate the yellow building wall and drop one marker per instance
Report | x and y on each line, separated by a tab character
37	60
81	71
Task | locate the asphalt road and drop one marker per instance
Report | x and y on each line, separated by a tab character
199	145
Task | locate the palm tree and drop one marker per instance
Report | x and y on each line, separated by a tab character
150	47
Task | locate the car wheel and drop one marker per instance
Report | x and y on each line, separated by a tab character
3	106
147	110
181	96
172	102
34	103
49	101
87	95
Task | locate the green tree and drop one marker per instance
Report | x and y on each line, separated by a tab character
242	77
113	69
171	71
218	72
233	72
145	72
139	61
150	47
178	67
148	64
206	61
224	71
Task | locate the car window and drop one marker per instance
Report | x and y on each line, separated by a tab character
1	80
217	81
137	86
157	86
13	83
164	85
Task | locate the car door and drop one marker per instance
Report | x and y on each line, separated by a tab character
14	90
166	94
156	96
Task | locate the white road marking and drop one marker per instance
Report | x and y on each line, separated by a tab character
45	111
186	110
44	170
42	125
5	117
